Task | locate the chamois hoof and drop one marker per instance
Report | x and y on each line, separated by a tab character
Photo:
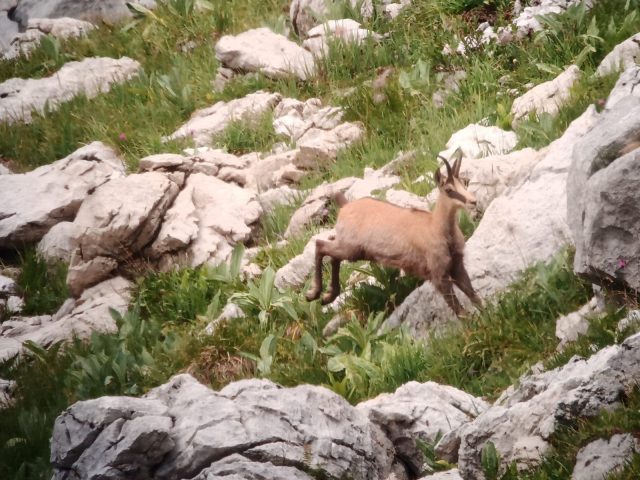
312	295
328	298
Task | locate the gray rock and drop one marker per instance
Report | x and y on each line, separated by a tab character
89	273
305	14
315	206
569	327
623	56
206	220
603	209
548	97
632	320
452	474
79	319
320	147
261	50
90	77
123	216
14	304
522	421
206	123
8	30
275	197
627	85
602	457
421	411
96	11
8	286
7	387
237	467
524	225
37	28
250	429
477	141
527	21
31	203
345	31
59	243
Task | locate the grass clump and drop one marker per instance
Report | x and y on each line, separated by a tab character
43	286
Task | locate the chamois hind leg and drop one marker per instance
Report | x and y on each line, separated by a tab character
461	279
334	288
445	286
316	286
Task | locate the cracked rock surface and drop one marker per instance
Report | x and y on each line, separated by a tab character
91	76
523	419
31	203
251	428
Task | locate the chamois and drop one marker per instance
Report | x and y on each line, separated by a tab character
428	245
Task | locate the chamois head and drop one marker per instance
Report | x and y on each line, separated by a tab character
452	186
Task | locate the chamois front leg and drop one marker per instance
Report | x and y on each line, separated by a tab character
334	288
316	286
445	286
462	281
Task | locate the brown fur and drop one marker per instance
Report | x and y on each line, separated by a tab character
428	245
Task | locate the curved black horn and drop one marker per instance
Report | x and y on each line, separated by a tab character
446	163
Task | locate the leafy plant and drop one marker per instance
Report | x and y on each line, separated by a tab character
267	355
431	460
490	461
265	300
42	285
384	294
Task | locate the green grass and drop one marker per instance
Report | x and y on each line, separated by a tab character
42	286
162	335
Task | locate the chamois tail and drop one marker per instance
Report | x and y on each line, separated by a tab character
340	199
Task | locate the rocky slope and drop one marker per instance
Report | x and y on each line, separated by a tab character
190	209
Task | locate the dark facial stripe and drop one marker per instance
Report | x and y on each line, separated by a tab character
457	196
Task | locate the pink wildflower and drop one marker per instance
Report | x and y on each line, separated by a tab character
122	137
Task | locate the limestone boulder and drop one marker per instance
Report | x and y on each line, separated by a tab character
76	318
452	474
392	10
345	31
305	14
8	29
477	141
252	428
315	206
623	56
522	421
96	11
421	411
627	85
207	123
319	147
263	51
123	216
284	195
603	457
31	203
207	219
19	97
37	28
569	327
527	21
7	387
524	225
603	210
59	243
548	97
